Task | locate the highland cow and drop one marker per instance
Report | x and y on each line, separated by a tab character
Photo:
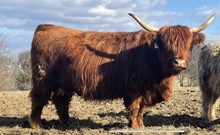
136	66
209	73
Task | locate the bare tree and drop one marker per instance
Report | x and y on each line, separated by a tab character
23	76
7	66
181	78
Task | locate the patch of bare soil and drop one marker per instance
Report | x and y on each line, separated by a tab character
182	112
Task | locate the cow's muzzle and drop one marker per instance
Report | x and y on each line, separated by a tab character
178	63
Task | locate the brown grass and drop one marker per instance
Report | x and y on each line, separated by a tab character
181	112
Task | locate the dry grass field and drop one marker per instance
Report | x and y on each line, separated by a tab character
181	112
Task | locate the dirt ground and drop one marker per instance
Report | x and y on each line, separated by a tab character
181	113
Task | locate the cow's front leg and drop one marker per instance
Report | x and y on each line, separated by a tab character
133	106
140	116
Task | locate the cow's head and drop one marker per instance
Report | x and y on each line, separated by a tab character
174	43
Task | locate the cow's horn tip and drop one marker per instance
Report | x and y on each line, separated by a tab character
130	14
213	15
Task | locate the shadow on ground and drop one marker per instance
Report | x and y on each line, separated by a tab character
149	120
55	124
175	120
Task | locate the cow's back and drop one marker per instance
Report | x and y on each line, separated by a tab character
209	68
47	35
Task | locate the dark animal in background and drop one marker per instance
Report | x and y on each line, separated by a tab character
209	79
136	66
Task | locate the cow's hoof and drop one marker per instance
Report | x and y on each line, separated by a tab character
133	125
35	124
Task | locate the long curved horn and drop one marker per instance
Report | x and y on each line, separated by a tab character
204	25
143	24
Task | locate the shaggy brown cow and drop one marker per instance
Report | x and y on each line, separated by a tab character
136	66
209	73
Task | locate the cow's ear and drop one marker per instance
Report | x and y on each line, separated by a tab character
151	38
198	38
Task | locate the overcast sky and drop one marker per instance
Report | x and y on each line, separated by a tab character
19	18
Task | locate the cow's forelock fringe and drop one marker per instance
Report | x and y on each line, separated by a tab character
175	38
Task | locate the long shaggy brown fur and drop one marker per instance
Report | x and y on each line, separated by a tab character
107	65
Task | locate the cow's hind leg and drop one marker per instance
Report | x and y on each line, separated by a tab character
209	104
61	101
133	106
39	98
